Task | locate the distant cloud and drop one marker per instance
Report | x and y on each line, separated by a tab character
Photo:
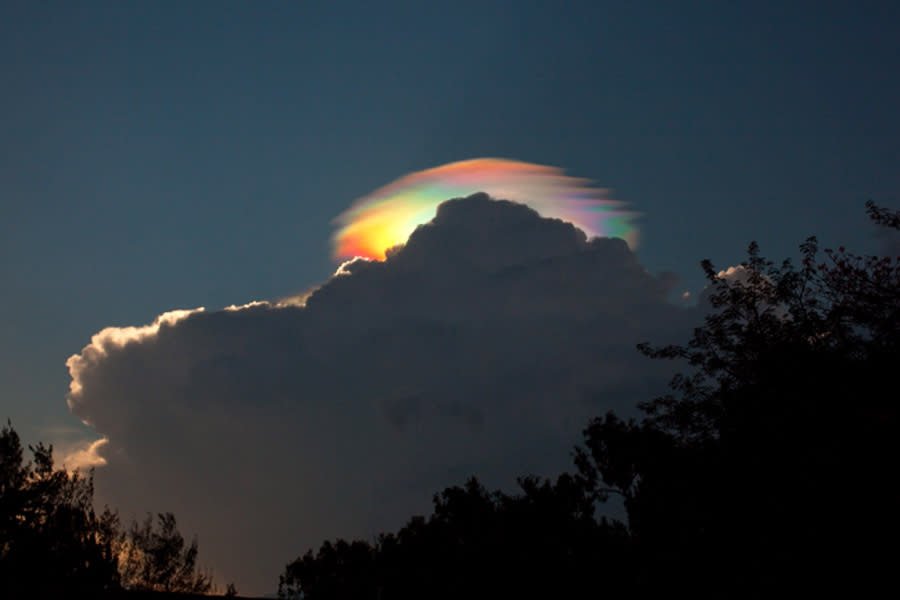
482	346
734	273
84	455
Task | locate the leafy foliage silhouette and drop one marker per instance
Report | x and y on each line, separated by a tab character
51	540
53	544
475	544
156	559
738	476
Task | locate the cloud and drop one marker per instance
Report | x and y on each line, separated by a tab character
388	215
482	346
84	455
112	339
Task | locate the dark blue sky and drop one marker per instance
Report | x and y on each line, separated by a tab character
164	155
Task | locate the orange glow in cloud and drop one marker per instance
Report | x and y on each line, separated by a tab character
387	216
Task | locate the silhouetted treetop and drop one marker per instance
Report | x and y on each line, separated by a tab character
789	391
51	540
543	542
156	558
53	544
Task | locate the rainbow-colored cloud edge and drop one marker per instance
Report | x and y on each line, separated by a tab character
387	216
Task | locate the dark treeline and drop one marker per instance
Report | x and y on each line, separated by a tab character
544	541
53	544
765	471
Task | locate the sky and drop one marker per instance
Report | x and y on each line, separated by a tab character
175	155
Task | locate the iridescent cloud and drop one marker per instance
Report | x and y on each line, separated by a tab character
387	216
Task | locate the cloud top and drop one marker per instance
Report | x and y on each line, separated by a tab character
387	216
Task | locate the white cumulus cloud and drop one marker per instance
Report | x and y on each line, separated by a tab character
481	347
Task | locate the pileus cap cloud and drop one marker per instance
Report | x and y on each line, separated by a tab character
386	217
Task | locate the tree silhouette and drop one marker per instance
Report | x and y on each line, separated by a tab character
51	540
53	544
737	482
156	559
542	542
